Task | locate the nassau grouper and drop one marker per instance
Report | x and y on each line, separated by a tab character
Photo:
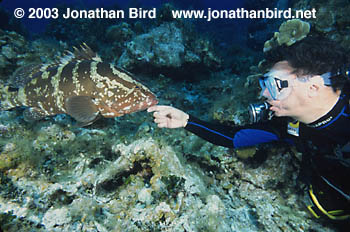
79	84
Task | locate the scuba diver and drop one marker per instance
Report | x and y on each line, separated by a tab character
307	89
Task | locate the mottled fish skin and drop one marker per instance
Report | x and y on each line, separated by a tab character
110	91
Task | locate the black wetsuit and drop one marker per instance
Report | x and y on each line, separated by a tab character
326	157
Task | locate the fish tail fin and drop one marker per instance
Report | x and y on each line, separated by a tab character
8	98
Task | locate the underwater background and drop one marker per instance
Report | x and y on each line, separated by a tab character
124	173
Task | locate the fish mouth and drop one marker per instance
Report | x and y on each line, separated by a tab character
153	102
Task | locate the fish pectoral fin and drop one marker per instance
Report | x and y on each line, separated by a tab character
82	124
32	114
82	109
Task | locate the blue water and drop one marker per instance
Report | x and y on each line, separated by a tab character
34	26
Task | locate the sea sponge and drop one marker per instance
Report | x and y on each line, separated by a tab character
290	32
272	43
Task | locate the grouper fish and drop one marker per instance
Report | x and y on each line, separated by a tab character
79	84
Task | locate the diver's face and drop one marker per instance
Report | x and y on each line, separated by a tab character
292	102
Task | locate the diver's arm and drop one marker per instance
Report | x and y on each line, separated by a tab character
232	137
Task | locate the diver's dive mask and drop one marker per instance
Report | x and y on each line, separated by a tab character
343	71
278	89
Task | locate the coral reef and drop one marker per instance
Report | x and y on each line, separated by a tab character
161	47
292	31
12	51
124	174
120	32
332	19
164	47
17	53
289	32
148	185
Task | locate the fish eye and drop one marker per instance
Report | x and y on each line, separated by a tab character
136	87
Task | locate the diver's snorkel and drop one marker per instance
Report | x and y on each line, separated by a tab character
259	112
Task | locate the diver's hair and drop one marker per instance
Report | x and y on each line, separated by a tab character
314	55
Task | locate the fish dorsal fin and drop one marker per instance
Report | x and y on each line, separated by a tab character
84	53
82	109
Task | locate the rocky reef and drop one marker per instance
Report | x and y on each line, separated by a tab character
13	51
17	53
332	19
161	47
166	48
65	179
124	174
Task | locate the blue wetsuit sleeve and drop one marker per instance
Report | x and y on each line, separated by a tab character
232	137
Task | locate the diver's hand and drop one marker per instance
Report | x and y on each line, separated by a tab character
168	117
